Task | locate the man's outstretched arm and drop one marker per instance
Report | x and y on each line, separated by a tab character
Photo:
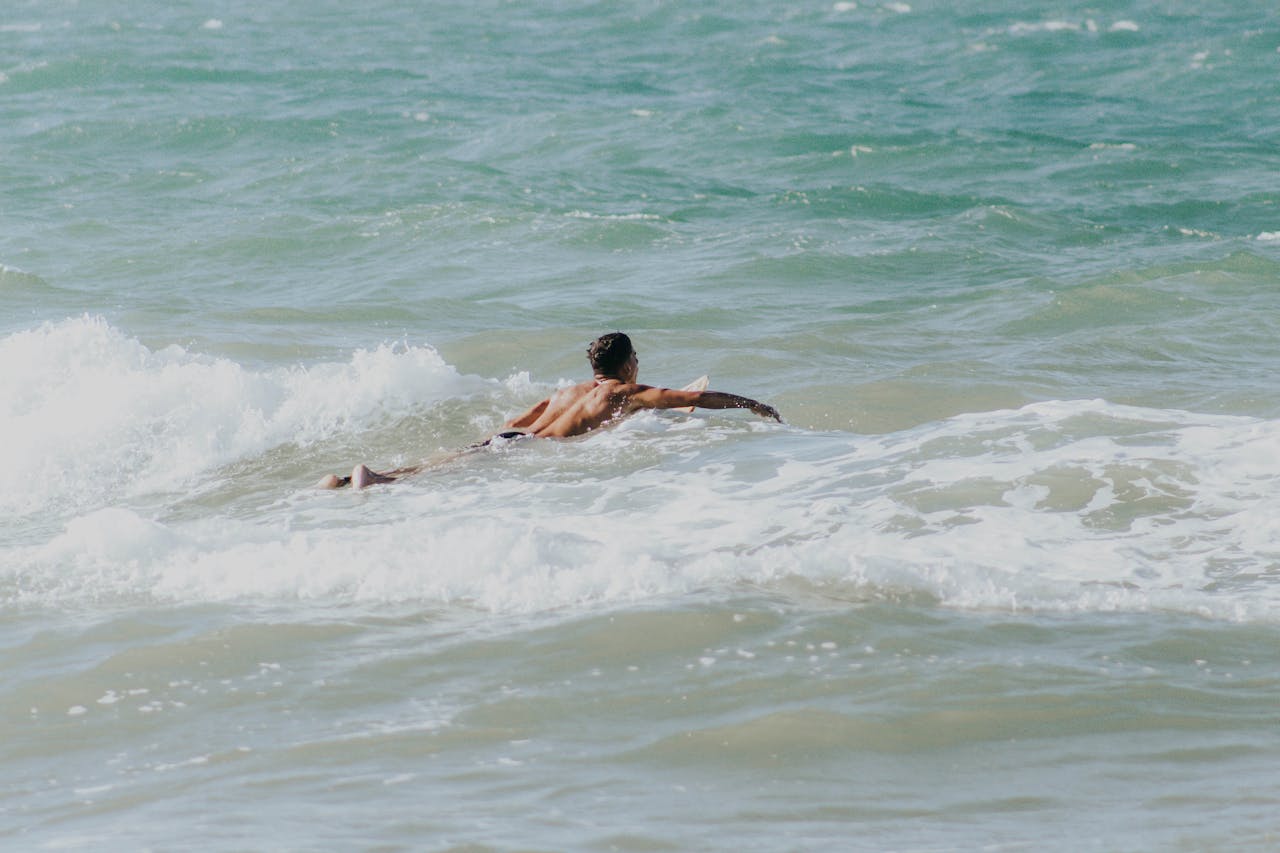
722	400
668	398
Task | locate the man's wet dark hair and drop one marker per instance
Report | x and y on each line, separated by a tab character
608	353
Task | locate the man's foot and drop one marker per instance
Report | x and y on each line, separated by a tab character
333	481
361	477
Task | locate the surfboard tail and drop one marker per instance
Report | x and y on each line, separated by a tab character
699	384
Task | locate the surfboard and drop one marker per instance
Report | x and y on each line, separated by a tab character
699	384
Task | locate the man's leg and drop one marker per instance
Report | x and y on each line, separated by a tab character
362	475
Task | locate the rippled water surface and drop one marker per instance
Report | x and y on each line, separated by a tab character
1006	579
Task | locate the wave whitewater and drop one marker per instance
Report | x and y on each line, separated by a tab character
1059	505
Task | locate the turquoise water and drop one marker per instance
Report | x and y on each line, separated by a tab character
1006	579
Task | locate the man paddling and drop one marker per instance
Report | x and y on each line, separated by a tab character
612	393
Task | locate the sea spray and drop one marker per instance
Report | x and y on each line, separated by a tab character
91	415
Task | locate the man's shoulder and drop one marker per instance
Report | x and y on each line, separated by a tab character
630	389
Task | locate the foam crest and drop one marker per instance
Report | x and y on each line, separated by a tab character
90	414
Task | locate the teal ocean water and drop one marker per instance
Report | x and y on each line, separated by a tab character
1007	579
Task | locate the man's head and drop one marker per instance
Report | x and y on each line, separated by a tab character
610	353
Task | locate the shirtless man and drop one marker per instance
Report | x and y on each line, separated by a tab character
611	394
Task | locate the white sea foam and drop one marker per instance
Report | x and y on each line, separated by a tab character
1061	506
615	217
1055	505
1023	27
1061	26
89	413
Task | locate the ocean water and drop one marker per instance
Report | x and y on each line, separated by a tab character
1008	577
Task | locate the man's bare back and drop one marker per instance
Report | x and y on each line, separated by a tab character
612	394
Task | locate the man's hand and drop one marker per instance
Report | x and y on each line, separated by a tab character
764	410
